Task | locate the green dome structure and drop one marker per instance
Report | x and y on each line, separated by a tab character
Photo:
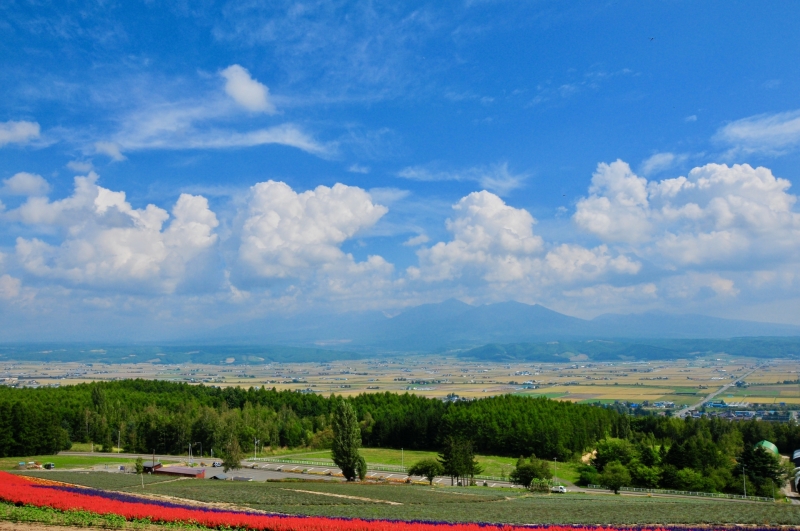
766	445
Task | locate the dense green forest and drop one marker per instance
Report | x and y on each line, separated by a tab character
166	417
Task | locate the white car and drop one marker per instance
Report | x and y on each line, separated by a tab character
216	464
559	489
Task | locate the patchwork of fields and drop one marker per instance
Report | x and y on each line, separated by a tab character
682	381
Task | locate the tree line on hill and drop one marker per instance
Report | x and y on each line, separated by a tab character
167	418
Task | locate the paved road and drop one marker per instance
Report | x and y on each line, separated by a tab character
687	410
260	471
324	472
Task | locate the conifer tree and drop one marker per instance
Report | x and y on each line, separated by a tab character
346	440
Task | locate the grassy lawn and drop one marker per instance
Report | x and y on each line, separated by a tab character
493	465
65	461
474	504
89	447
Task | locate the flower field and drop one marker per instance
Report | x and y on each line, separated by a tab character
23	490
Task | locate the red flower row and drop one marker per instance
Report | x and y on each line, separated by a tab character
18	489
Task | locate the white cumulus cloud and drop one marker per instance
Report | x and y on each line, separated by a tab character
496	242
24	183
290	234
246	91
715	214
489	236
569	263
107	242
12	132
617	207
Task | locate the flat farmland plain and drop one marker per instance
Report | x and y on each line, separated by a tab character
683	381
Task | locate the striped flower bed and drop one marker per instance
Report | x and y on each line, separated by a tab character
42	493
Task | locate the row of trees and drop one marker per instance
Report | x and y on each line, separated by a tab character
457	460
165	417
700	462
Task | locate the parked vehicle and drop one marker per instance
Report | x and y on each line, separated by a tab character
559	489
216	464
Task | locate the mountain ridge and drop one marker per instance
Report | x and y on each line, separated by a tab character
454	324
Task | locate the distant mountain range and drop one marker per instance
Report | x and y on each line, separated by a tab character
453	324
498	332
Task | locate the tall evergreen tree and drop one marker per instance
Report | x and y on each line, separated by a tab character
458	459
346	440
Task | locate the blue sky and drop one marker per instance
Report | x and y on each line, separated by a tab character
170	167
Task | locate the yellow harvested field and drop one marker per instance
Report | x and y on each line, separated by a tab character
610	392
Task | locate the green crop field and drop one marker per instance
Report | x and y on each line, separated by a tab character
480	504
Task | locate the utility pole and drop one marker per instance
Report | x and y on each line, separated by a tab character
555	470
744	482
118	439
255	447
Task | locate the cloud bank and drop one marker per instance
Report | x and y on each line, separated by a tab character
105	243
718	234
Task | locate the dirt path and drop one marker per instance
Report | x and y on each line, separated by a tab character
359	498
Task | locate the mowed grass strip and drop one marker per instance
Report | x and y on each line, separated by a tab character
476	504
67	461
